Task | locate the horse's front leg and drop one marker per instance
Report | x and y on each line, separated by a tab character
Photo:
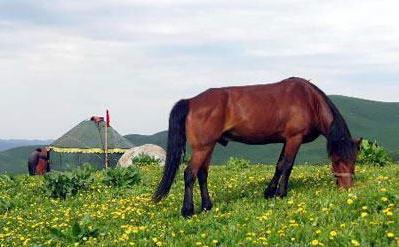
290	153
279	184
270	190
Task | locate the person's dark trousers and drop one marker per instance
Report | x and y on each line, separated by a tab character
31	169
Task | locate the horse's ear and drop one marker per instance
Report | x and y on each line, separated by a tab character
358	142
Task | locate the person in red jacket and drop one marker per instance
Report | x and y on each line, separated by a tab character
33	160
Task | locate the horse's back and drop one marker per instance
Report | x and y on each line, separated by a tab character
257	114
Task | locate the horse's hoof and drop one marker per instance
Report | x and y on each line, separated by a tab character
207	206
269	194
187	212
281	194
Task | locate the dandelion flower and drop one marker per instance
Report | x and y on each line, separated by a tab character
355	242
390	235
315	242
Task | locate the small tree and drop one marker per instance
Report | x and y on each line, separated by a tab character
373	154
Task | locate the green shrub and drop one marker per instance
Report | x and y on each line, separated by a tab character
5	205
237	163
79	232
6	181
63	184
121	176
145	160
373	154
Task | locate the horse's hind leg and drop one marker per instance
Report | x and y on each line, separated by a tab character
203	184
198	157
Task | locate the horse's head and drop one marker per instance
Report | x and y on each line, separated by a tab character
344	169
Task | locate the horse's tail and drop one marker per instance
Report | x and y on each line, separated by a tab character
175	149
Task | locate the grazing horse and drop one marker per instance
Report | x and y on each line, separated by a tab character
43	163
292	112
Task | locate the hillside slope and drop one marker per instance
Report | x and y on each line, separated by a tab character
15	160
368	119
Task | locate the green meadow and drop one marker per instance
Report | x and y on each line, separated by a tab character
315	212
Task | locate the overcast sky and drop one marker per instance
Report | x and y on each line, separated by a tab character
63	61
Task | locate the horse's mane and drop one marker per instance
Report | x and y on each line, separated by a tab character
339	139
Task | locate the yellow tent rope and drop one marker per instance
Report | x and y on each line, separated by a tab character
86	150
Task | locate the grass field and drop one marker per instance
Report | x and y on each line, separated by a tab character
315	213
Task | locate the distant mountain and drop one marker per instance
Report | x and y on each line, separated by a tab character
369	119
12	143
159	139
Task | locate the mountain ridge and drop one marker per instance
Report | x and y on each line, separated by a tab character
374	120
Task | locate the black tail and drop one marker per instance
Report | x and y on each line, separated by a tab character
176	147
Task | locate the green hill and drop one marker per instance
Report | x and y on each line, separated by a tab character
15	160
368	119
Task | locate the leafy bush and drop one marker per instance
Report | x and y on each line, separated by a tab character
145	159
237	163
5	205
6	181
121	176
63	184
373	154
79	232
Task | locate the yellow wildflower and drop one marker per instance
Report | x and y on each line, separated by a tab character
349	201
355	242
315	242
390	235
364	214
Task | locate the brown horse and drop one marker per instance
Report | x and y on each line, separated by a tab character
292	112
43	163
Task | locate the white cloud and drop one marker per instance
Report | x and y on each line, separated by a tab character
139	57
